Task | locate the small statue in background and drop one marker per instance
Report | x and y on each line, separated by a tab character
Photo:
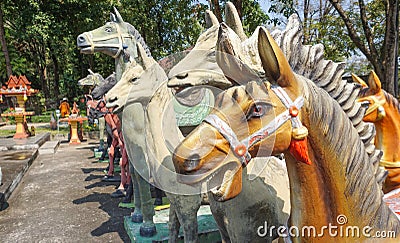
64	108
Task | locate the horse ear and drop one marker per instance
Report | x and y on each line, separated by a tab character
113	18
374	83
228	57
147	62
118	16
90	71
232	19
211	19
273	60
358	80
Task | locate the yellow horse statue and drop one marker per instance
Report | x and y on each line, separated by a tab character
384	112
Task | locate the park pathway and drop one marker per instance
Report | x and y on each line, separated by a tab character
62	199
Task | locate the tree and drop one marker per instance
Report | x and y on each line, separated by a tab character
4	43
168	26
249	11
381	54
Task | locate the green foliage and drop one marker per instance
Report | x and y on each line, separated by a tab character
40	118
41	37
253	16
167	26
8	119
281	7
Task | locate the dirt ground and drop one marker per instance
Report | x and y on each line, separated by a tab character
62	199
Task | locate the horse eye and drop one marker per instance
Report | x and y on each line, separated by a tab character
258	110
134	79
108	29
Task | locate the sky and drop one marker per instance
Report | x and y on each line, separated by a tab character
264	4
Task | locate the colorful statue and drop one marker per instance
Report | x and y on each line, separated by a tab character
384	111
332	178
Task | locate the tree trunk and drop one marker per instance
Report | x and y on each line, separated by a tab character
389	52
239	7
217	10
56	76
4	44
56	72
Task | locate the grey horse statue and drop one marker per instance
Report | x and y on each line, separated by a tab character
118	39
122	44
92	79
96	82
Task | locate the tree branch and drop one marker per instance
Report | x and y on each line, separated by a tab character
350	28
367	30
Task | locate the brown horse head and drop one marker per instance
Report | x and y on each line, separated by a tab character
210	153
374	95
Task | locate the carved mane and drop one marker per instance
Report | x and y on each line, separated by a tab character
138	37
391	100
308	61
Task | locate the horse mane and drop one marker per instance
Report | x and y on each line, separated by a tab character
102	88
138	37
391	100
359	182
308	61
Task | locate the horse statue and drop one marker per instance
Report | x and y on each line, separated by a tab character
333	180
93	79
119	40
200	68
146	85
97	81
97	109
384	112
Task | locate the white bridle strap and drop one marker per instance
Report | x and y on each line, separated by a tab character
272	126
241	148
227	132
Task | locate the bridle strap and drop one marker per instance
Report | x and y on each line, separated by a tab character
228	134
241	148
377	103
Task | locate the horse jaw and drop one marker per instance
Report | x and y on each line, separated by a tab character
199	77
231	186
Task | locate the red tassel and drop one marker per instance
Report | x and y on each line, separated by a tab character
299	150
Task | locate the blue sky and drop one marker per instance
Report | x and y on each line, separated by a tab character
264	4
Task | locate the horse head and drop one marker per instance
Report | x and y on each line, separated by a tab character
137	83
102	88
200	66
94	108
243	124
374	95
92	79
112	38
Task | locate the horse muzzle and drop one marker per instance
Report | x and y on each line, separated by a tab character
84	44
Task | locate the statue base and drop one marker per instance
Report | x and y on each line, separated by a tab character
208	230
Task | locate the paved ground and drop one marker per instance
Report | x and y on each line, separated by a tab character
62	199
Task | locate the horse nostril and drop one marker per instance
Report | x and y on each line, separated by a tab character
81	39
192	162
182	76
113	99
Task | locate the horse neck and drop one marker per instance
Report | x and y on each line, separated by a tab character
332	185
388	134
161	103
120	63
